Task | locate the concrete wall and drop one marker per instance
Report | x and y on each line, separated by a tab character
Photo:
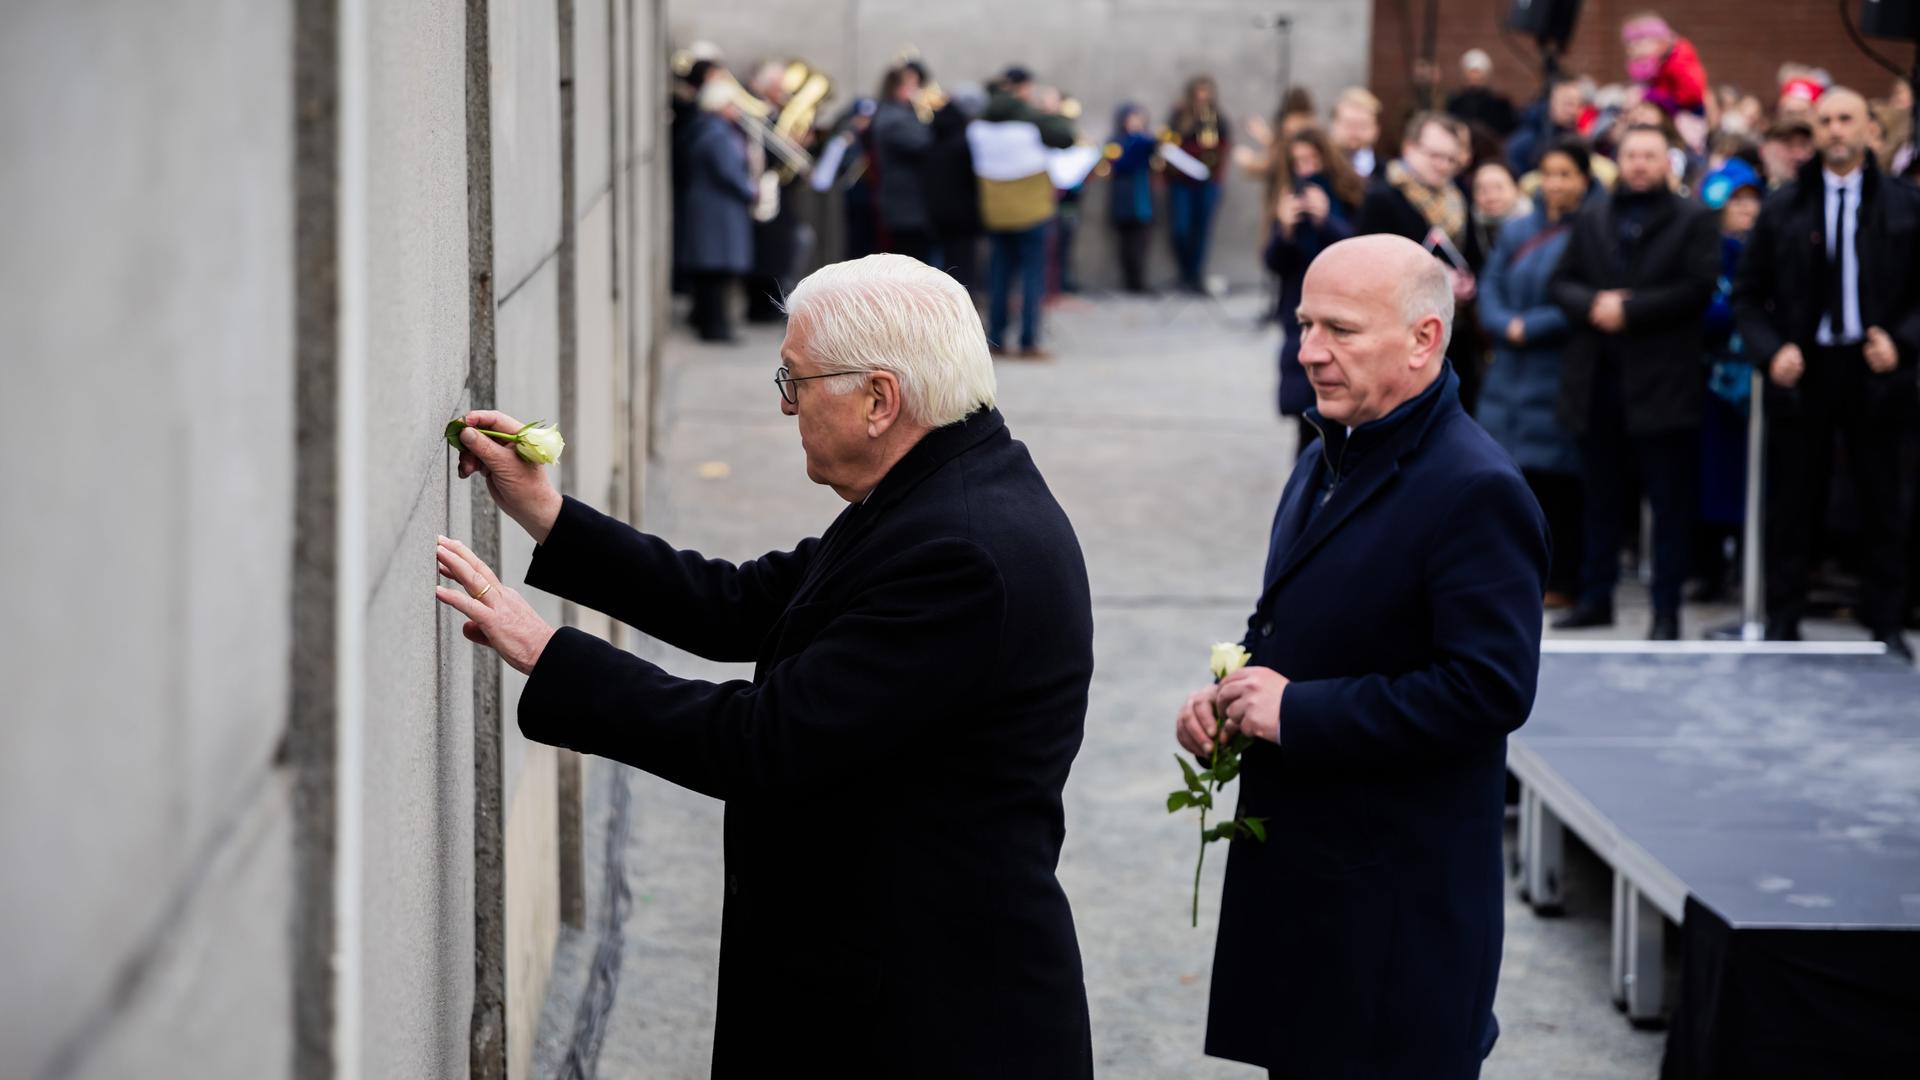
145	310
244	805
1100	51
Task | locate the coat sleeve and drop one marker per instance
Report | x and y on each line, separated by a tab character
708	607
1484	578
1494	310
903	133
1684	297
1569	287
909	652
1755	311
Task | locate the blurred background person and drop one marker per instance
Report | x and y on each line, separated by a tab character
1548	121
1066	219
1354	128
1130	156
1733	191
1667	69
1836	322
1477	102
1497	200
1009	144
1520	396
900	142
953	194
1415	196
1635	282
1786	146
715	227
1312	198
1198	127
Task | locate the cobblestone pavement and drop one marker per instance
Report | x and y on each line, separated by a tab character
1155	428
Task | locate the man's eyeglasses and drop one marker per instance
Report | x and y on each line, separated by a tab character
784	379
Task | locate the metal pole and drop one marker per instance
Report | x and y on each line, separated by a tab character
1752	590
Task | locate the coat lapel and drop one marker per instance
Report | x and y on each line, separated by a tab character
1353	493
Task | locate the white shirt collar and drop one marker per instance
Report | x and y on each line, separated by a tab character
1851	181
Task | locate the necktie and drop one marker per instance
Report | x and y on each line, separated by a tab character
1836	270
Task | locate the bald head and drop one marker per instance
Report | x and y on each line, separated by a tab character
1376	313
1840	129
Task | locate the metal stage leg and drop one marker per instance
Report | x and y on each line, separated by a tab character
1643	944
1544	856
1622	899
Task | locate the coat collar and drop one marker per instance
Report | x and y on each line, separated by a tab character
1367	460
935	448
1811	181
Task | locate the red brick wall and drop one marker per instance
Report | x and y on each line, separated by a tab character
1740	41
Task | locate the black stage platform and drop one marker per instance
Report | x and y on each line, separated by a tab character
1768	801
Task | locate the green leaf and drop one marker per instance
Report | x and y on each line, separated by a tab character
1186	770
1222	831
1205	799
1241	742
1225	771
1258	827
454	428
529	427
1179	800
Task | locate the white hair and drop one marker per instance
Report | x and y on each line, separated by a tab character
1426	292
896	314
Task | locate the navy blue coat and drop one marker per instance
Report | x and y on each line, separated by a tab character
1520	394
714	231
1363	938
892	772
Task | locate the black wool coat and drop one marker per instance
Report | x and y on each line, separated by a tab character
1671	270
892	771
1362	939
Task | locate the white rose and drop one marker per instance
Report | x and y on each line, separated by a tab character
1227	659
540	445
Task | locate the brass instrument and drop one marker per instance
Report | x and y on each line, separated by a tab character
929	99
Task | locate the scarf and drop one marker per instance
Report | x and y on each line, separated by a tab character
1443	207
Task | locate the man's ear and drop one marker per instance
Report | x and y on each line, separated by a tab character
883	402
1426	342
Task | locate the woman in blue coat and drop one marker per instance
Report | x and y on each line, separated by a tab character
714	232
1521	393
1313	195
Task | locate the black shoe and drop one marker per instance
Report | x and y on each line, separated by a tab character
1896	644
1585	617
1665	628
1783	630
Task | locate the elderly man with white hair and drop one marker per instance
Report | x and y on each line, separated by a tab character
1395	643
893	769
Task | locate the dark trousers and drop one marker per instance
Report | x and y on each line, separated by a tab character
1133	237
1024	253
711	316
1561	497
1874	425
960	256
1190	210
1065	227
1668	463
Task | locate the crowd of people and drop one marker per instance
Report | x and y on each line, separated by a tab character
1623	256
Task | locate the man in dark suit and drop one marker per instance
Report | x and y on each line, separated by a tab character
1828	300
1395	643
893	770
1635	282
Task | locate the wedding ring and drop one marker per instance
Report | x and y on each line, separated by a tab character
484	591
